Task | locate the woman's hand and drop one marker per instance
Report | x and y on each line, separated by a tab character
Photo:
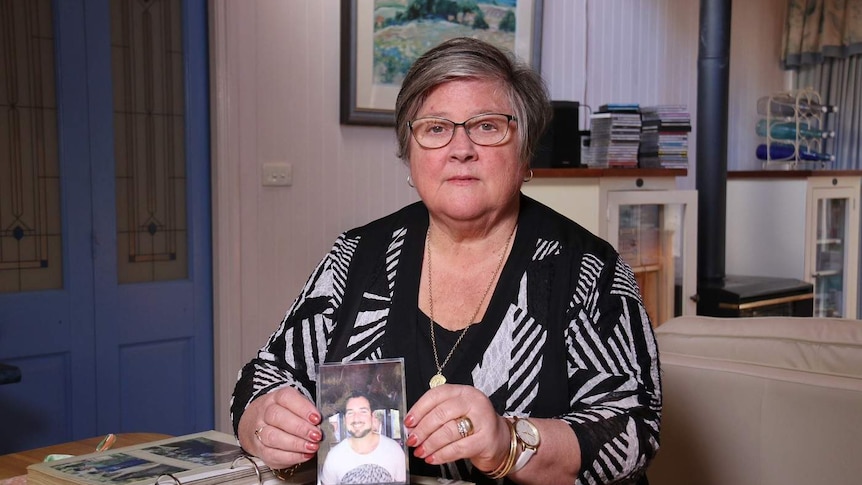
432	424
281	428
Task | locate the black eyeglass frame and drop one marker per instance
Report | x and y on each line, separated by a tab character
463	124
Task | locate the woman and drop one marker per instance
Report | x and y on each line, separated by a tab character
501	308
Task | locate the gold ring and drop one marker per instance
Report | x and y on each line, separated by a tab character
465	426
257	433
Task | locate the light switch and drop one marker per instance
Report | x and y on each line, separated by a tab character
277	174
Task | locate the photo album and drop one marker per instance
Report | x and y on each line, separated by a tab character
195	459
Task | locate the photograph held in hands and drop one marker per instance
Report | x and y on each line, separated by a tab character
363	407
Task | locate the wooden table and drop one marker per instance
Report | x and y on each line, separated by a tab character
15	464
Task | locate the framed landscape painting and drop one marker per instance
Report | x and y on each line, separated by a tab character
380	40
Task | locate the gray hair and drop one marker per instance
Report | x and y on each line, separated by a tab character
468	58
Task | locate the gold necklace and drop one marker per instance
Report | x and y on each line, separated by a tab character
438	378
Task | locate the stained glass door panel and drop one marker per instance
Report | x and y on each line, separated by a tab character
31	256
149	140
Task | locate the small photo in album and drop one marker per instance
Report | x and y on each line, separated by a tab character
363	406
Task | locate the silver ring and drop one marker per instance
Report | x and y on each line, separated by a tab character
257	433
465	426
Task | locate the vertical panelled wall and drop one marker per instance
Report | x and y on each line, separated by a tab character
623	52
276	88
631	51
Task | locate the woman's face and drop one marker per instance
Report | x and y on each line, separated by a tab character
464	181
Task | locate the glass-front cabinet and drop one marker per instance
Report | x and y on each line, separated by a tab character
655	233
642	214
832	241
800	224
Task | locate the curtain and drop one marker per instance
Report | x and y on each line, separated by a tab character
839	82
818	29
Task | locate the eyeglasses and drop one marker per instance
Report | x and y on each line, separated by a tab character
485	129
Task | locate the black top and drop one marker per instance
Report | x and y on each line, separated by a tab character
565	335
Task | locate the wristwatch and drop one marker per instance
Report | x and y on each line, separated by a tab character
529	438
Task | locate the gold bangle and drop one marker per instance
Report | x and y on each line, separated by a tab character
285	473
507	464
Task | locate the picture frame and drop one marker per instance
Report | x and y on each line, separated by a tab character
376	52
364	438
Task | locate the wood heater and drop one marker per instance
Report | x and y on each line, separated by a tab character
756	296
718	294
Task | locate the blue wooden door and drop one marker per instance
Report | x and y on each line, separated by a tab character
124	342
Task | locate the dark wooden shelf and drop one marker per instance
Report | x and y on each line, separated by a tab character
608	172
791	174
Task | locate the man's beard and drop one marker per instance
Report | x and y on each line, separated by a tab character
362	433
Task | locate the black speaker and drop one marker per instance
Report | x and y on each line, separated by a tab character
560	146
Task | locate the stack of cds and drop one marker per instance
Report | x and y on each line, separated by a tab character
615	132
664	136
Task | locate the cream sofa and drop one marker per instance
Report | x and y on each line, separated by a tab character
760	401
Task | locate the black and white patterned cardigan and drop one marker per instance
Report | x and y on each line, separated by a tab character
573	340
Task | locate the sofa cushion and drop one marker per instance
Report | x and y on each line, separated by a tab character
760	401
814	345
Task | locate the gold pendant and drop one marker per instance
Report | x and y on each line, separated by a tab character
437	380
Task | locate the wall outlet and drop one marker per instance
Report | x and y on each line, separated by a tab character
277	174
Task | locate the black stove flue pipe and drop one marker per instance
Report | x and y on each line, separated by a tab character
713	69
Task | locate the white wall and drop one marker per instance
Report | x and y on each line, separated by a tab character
276	98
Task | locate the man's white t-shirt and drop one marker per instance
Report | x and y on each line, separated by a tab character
386	464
